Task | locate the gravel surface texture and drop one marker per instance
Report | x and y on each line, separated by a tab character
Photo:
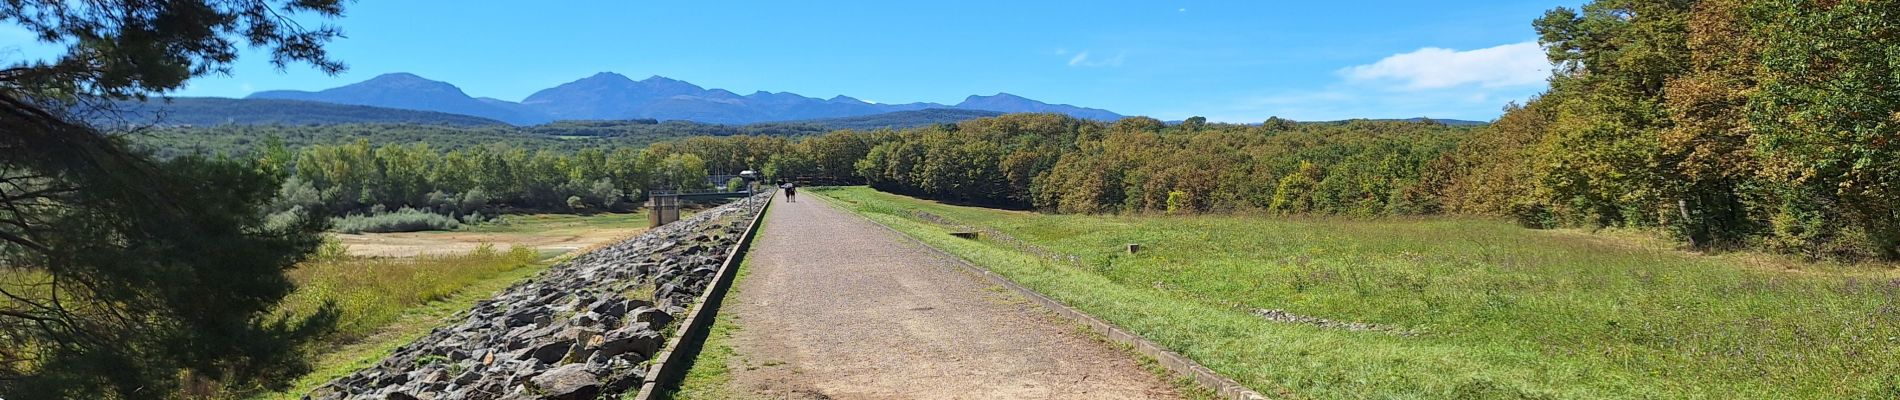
836	307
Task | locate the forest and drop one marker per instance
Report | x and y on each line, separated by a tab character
1759	184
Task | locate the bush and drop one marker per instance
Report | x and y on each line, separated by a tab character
1534	215
403	220
1177	201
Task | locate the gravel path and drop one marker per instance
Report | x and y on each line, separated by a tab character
835	307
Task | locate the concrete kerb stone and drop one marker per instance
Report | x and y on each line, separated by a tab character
1221	385
671	363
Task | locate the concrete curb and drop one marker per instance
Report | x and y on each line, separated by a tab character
670	363
1221	385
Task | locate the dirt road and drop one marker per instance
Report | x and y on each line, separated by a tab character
835	307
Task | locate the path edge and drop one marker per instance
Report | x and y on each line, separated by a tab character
1222	386
672	362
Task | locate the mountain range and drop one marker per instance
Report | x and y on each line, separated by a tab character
611	96
223	111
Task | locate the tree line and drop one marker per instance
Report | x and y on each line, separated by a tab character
1731	123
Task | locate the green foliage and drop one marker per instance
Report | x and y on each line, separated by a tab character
684	172
127	49
1726	122
1058	163
1177	201
402	220
124	237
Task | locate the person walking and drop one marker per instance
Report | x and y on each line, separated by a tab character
791	192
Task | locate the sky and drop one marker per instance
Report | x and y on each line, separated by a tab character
1229	61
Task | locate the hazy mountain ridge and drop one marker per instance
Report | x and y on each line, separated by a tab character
611	96
411	92
202	111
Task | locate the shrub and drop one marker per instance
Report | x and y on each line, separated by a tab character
1177	201
403	220
1534	215
605	193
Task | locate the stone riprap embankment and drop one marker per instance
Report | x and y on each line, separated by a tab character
580	330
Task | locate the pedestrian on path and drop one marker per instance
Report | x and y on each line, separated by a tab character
791	192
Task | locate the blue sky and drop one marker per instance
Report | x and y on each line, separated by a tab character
1232	61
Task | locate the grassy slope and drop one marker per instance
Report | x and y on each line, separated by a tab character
1503	312
409	324
387	303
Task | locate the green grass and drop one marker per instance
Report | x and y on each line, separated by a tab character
372	292
1500	311
386	303
342	357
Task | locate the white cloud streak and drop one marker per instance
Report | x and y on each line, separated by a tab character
1511	65
1082	59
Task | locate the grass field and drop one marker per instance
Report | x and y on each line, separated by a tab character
1492	310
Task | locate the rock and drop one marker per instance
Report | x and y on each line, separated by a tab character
652	317
467	377
627	382
642	343
551	352
567	382
570	332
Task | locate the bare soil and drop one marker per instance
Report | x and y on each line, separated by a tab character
411	244
835	307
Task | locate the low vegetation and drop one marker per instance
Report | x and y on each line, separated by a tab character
389	302
371	292
1471	308
402	220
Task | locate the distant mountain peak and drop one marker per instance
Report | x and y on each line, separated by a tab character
399	76
608	95
605	77
661	79
1005	102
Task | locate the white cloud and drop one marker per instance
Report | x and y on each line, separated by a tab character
1082	59
247	88
1182	10
1511	65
